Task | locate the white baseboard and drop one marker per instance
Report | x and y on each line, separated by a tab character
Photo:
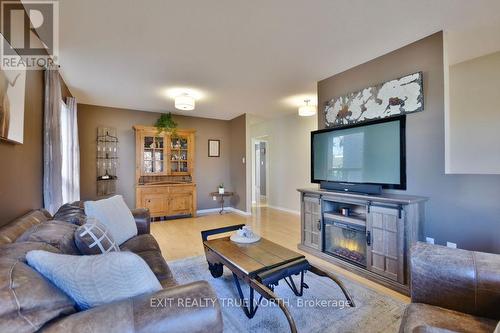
207	211
291	211
237	211
216	211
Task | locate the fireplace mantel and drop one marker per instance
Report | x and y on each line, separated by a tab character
371	238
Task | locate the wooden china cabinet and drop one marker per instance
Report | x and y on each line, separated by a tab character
165	172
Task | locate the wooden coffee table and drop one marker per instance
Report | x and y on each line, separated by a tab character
261	265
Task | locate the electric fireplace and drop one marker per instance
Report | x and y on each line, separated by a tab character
346	240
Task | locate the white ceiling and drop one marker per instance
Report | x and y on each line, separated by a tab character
241	56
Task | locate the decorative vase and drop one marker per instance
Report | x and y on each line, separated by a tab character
221	190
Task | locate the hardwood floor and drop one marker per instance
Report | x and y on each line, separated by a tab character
181	238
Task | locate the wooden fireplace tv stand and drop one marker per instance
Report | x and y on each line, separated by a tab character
367	234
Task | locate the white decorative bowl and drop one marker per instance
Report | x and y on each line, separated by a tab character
244	240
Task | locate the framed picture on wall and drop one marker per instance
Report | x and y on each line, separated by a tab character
213	148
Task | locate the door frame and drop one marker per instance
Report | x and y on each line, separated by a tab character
256	140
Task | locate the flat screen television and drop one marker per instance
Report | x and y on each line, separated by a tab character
368	153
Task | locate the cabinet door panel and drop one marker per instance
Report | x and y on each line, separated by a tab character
378	262
391	243
156	203
180	204
390	222
311	222
315	241
316	222
385	254
308	222
377	219
307	206
378	245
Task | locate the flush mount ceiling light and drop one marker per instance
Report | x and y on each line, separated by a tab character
184	102
307	110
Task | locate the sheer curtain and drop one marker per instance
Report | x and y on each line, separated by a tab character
70	152
61	171
52	149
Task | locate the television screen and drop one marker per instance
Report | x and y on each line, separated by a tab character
371	153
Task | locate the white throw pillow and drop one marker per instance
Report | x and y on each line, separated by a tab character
115	215
98	279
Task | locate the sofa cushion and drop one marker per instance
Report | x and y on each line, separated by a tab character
27	300
159	267
420	317
95	280
115	215
72	213
94	238
18	251
140	243
59	234
12	231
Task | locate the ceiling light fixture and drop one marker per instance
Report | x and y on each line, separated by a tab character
307	110
184	102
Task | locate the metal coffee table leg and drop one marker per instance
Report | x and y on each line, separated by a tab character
321	272
271	296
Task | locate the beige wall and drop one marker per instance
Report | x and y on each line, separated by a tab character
238	153
474	116
21	166
289	155
209	173
462	209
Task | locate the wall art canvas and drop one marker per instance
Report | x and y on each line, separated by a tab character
12	89
395	97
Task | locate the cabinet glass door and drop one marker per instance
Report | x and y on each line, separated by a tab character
153	155
179	155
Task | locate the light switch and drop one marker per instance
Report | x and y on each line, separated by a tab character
243	160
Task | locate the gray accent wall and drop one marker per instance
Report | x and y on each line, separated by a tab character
463	209
237	162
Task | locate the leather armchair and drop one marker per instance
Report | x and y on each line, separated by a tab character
452	289
188	308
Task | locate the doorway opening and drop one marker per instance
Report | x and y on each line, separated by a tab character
260	172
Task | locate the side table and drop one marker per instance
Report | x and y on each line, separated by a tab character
221	199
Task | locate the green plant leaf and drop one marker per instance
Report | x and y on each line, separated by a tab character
166	124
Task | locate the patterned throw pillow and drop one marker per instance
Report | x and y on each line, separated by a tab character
94	238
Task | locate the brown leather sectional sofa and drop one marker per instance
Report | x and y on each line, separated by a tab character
132	315
452	290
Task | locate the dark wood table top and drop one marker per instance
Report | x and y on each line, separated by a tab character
254	257
225	194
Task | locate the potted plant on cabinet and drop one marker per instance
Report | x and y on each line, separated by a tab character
166	124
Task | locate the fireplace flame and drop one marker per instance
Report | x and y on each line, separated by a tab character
350	244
